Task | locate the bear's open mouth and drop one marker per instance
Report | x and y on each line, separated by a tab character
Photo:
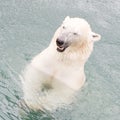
61	49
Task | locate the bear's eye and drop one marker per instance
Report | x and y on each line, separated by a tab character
75	33
63	27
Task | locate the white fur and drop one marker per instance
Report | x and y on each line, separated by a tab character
52	77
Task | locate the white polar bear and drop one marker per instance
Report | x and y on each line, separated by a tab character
53	76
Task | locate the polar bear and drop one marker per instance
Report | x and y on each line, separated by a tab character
53	76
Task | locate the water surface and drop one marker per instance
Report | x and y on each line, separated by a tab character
26	28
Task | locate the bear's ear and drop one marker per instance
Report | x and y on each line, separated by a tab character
67	18
95	36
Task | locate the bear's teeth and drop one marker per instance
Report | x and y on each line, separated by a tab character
61	48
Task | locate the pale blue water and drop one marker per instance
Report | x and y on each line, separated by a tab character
26	28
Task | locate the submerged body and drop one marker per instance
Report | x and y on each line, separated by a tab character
54	75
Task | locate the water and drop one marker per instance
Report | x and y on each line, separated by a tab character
26	28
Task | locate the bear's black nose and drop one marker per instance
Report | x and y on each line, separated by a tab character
59	42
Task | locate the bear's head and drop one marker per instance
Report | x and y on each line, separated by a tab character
74	33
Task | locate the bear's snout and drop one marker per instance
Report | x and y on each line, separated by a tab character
61	45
